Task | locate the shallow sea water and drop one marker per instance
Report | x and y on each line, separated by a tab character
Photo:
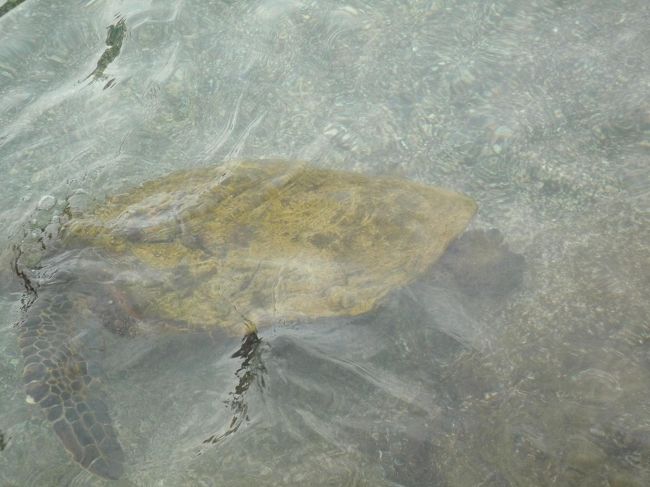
539	110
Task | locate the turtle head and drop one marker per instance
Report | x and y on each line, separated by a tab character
482	264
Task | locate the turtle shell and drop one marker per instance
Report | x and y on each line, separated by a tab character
267	241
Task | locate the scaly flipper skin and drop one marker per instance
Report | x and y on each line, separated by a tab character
56	378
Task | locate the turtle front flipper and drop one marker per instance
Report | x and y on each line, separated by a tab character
56	378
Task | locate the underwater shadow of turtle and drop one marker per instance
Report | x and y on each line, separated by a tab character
56	378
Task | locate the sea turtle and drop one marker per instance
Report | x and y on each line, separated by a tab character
234	247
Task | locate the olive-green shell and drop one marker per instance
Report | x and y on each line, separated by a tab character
269	241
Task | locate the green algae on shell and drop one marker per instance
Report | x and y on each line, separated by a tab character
272	241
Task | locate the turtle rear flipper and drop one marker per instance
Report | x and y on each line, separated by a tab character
56	378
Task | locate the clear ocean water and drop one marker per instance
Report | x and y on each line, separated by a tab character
539	110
